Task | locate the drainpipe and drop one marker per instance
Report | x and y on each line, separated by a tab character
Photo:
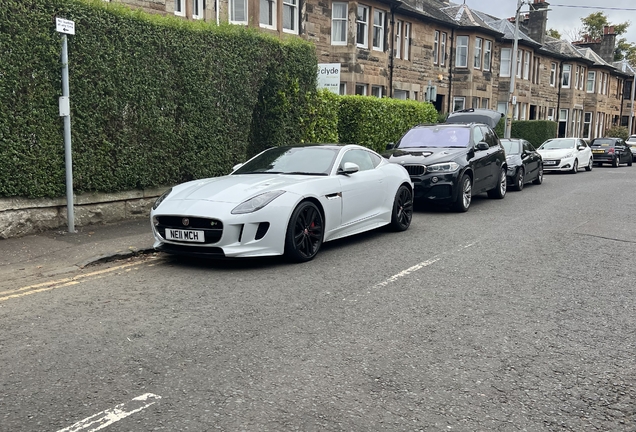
450	71
631	109
558	107
392	51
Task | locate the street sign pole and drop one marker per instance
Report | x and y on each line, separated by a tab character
67	27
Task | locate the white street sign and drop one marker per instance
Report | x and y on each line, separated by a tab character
65	26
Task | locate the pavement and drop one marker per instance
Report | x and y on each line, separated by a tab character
52	253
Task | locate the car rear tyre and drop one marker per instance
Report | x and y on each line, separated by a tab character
402	209
500	190
464	195
589	165
519	179
539	178
629	162
575	167
304	232
616	162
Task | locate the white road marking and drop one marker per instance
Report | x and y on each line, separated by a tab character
416	267
108	417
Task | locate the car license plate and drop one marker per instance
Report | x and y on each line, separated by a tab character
185	235
549	162
598	151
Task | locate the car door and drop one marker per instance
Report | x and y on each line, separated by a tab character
531	160
622	149
495	152
584	152
480	162
363	192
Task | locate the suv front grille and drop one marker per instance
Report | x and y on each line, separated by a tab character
415	170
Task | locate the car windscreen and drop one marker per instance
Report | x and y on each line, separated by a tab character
600	142
457	137
292	160
557	144
511	147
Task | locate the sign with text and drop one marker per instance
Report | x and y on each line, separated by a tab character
64	26
329	77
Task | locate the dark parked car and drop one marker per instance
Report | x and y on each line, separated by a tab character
449	163
631	142
525	165
611	150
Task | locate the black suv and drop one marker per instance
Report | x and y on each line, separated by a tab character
449	163
611	150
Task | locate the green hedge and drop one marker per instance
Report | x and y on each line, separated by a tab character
535	131
374	122
154	100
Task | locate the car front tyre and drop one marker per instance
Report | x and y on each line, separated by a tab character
304	232
499	191
575	167
402	212
519	179
464	195
589	165
539	178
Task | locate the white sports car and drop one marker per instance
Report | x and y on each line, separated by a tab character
285	200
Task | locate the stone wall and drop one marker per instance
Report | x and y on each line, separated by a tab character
22	216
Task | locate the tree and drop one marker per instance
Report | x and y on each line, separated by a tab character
625	51
594	24
554	33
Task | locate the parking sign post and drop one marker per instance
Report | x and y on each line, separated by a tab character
66	27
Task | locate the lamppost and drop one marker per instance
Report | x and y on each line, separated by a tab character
513	73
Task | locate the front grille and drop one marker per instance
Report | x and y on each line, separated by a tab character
212	228
209	252
415	170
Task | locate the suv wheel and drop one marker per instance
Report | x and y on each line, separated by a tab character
464	195
499	191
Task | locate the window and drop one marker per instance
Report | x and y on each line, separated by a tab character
567	71
504	65
343	88
377	91
523	111
378	30
591	80
551	114
459	103
362	158
362	25
401	94
553	74
519	60
397	49
502	107
475	102
485	103
487	55
442	50
197	9
605	76
361	89
179	7
536	70
267	13
339	23
582	78
407	40
461	54
290	16
479	43
526	65
436	48
238	11
576	77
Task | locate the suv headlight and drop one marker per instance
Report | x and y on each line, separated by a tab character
256	203
161	198
443	167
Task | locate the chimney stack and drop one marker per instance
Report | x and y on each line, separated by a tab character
538	21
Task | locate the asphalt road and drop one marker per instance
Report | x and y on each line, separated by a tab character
516	316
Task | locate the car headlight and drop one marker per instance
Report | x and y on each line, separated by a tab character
256	203
569	155
161	198
443	167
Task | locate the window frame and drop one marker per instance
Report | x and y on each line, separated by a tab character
198	4
442	49
459	49
380	91
362	26
477	53
180	10
232	12
458	99
344	19
407	41
398	40
526	65
362	86
508	61
295	15
593	82
568	75
553	74
487	55
272	14
436	40
380	26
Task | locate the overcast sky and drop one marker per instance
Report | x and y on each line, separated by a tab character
566	18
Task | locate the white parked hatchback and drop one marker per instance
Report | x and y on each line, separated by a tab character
566	154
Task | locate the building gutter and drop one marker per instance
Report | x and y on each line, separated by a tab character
450	70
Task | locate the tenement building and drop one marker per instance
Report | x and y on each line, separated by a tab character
445	53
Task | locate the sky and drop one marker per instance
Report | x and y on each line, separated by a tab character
565	15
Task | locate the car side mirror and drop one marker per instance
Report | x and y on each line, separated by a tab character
581	147
482	145
390	146
349	168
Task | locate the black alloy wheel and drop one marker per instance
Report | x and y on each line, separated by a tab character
304	232
519	179
539	178
402	213
464	194
499	191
